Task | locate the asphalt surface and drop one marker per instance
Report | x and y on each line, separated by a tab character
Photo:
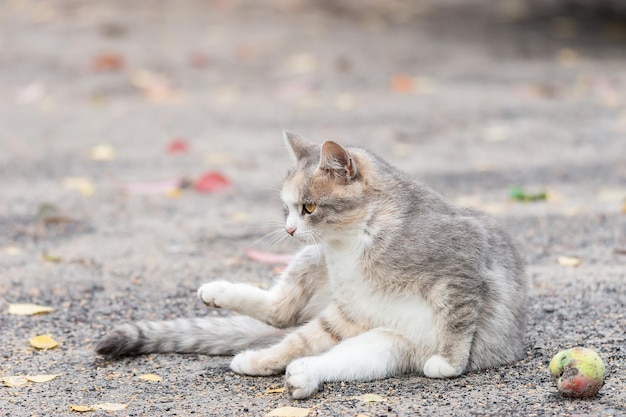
472	99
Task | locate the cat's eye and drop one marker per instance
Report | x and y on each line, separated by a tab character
308	208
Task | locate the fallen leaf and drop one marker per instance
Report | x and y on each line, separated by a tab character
275	390
568	57
210	182
345	102
218	158
41	378
107	61
83	185
102	153
43	342
55	259
289	412
402	84
154	187
156	87
31	93
302	63
13	251
150	377
516	193
110	406
100	406
82	408
174	193
268	257
513	9
28	309
46	209
370	398
199	59
569	260
227	93
497	132
14	381
177	146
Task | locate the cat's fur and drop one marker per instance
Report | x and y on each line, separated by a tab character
392	280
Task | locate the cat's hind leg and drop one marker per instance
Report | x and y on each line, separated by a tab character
314	337
375	354
455	337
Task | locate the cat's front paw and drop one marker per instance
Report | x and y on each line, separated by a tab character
301	378
216	294
255	362
437	367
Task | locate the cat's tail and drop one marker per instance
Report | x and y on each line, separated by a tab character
211	336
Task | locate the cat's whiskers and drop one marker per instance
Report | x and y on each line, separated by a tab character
274	237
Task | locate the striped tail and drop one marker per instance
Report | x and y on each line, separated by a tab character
211	336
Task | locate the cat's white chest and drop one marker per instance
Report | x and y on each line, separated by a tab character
368	302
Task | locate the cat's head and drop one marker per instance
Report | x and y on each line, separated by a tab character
324	192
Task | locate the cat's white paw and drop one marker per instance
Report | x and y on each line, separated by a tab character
301	378
438	367
254	362
216	294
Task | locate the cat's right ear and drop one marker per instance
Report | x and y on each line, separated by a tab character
299	146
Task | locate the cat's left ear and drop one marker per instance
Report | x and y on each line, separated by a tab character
337	161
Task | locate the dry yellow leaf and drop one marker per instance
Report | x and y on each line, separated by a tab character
302	63
568	57
569	260
41	378
150	377
14	381
82	408
289	412
28	309
156	87
275	390
110	406
43	342
370	398
174	193
345	102
78	183
218	158
102	153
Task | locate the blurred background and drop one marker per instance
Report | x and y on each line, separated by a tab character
141	155
450	82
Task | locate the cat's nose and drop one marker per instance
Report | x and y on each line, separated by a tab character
291	230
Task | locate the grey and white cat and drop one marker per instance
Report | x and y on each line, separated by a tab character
392	280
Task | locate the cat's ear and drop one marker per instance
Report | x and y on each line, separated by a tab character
337	161
299	146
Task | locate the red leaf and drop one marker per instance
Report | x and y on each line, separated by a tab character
178	146
402	84
210	182
108	61
268	257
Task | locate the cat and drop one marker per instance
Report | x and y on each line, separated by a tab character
391	280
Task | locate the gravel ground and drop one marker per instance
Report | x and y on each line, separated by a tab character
469	98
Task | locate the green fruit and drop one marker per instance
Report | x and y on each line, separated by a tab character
578	372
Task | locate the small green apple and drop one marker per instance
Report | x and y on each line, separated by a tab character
578	372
